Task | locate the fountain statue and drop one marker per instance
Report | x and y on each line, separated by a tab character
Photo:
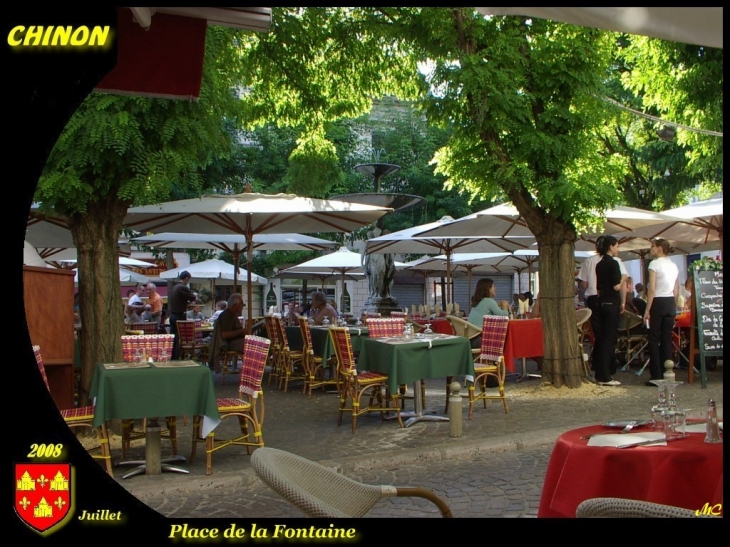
380	267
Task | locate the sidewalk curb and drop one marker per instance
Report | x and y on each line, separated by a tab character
175	483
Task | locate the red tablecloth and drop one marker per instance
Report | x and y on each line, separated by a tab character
685	473
682	320
524	339
442	326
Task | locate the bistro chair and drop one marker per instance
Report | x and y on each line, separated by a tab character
355	385
292	366
380	327
627	508
275	358
219	357
633	339
462	327
151	345
398	314
190	348
146	328
322	492
314	366
200	342
249	408
367	316
490	362
582	317
81	416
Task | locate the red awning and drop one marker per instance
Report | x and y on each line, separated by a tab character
165	61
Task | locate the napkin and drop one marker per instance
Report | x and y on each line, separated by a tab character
619	439
698	427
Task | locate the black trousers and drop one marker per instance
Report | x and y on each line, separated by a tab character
661	323
609	310
174	318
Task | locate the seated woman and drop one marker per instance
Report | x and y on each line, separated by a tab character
535	312
483	303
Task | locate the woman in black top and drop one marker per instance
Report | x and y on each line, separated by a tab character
608	283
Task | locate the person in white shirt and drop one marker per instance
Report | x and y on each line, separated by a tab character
219	307
587	277
661	307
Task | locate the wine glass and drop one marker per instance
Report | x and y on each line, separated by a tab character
427	331
674	418
660	406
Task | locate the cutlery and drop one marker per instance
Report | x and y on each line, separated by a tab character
654	441
626	429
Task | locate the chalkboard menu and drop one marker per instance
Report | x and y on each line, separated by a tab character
708	297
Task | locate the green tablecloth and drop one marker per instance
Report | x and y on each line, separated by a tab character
322	342
153	392
410	362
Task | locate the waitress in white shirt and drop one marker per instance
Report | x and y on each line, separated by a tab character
661	307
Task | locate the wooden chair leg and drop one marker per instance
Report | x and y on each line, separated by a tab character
106	452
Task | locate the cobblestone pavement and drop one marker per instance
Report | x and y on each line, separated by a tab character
496	468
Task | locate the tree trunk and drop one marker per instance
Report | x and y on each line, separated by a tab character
562	364
95	235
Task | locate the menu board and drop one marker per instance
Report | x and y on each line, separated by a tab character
708	296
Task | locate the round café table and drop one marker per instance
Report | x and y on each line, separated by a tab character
685	473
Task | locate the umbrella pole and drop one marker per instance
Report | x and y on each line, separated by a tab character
249	260
236	254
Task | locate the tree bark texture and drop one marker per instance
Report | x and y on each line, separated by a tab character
562	364
95	235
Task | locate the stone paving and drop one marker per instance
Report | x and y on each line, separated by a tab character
496	469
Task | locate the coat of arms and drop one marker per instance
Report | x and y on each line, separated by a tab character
43	494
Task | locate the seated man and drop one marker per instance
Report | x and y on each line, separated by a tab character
196	313
219	307
228	333
147	316
229	326
321	309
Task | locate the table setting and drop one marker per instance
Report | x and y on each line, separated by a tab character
672	456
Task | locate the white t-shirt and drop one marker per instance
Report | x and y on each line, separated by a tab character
588	273
135	300
666	276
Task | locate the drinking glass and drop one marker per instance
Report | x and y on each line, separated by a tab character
138	356
674	423
660	406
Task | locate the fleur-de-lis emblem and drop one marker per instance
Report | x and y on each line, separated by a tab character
24	502
42	480
59	503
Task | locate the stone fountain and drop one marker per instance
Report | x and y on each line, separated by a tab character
380	267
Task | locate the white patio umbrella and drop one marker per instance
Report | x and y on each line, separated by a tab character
47	232
217	272
32	258
249	214
694	25
125	276
234	243
212	269
425	239
693	227
124	261
341	262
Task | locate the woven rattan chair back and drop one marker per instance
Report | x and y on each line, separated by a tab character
627	508
321	492
81	417
151	345
147	328
494	334
385	326
255	354
343	349
398	314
